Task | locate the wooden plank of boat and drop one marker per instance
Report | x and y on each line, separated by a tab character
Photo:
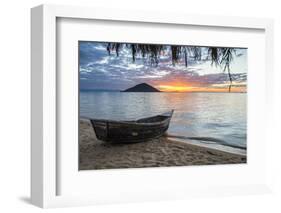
132	131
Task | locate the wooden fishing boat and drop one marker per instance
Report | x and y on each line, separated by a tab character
132	131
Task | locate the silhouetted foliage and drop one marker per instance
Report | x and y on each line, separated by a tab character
219	56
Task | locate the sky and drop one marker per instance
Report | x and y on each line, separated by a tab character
101	71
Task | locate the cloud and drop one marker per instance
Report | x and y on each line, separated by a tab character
99	70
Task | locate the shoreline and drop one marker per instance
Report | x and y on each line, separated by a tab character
217	147
161	152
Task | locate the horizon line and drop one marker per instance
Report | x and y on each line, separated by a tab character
112	90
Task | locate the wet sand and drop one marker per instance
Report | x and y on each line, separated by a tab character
162	152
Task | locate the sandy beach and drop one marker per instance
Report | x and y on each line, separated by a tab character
95	154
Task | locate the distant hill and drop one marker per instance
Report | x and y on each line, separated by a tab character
142	88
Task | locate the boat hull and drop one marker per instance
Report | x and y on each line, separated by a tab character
131	131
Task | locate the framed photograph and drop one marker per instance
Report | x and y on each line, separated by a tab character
150	106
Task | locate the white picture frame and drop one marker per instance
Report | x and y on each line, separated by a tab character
44	154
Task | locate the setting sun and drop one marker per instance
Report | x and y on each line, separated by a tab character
174	88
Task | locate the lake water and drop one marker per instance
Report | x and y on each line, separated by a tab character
216	120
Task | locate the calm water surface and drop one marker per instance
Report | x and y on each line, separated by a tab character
216	120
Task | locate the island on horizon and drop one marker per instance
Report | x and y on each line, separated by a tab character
143	87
